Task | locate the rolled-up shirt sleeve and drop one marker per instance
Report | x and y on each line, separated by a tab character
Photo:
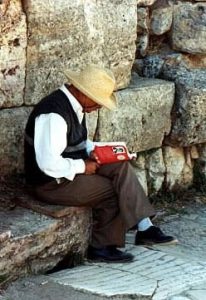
50	140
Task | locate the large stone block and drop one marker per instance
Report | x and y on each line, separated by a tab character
143	116
12	53
35	243
143	24
179	172
70	34
152	65
189	113
11	139
140	170
189	28
143	21
161	20
145	2
156	170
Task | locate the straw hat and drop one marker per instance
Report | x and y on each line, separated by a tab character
96	83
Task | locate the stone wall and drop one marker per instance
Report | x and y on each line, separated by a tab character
161	108
171	46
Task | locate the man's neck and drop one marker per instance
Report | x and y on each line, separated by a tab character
75	92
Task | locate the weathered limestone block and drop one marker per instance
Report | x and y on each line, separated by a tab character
161	20
143	116
138	66
155	170
12	53
70	34
92	123
143	44
194	152
11	139
188	72
195	61
145	2
189	113
188	171
152	65
140	171
143	23
37	243
189	28
179	172
142	19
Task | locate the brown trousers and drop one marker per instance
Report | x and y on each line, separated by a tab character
115	195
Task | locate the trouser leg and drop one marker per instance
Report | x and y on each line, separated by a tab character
115	195
108	226
133	203
93	191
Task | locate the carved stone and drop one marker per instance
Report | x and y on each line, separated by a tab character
189	28
11	139
13	42
143	115
70	34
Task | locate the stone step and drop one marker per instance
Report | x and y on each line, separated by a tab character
161	277
150	276
157	273
31	242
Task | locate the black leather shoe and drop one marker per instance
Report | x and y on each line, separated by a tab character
153	235
109	254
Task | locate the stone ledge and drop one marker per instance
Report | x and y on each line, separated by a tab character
143	118
36	237
55	211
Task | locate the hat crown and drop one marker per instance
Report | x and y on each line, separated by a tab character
95	82
100	82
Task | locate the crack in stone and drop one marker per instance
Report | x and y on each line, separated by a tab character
155	290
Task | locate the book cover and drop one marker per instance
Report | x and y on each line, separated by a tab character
112	153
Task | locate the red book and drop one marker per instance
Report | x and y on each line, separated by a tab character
112	153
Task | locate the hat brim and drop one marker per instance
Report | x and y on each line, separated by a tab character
110	103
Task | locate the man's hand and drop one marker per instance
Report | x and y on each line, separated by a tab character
90	167
94	157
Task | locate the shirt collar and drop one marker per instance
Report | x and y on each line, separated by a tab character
74	103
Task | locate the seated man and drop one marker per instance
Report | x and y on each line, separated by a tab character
61	167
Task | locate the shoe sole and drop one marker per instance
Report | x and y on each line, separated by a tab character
149	243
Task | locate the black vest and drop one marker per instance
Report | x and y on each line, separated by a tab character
57	102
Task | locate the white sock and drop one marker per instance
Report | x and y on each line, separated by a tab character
144	224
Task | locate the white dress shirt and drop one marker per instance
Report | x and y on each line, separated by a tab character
50	140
